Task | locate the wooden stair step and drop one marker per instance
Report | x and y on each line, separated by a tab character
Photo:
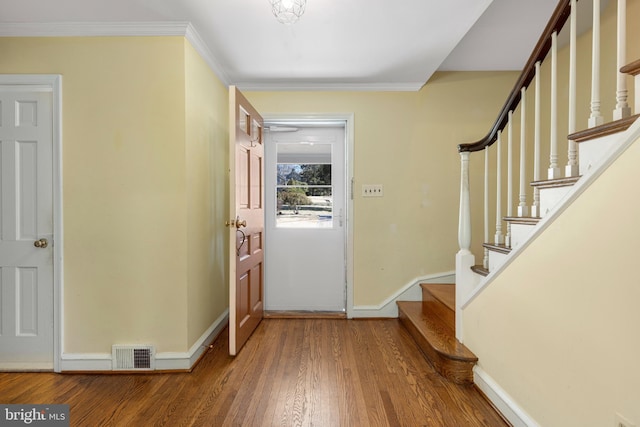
555	183
526	220
440	300
479	269
434	332
502	248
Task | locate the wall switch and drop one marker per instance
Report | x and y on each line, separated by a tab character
372	190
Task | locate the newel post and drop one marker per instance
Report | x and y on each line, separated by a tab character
464	258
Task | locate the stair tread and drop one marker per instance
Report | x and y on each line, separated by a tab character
445	293
501	248
480	270
440	336
529	220
555	183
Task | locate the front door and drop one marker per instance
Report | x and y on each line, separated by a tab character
26	237
246	225
306	218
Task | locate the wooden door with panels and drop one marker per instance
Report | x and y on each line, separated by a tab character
246	224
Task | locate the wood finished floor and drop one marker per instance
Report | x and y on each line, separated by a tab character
292	372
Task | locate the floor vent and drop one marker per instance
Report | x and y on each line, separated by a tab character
133	357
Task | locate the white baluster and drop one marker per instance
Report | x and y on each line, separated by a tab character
507	240
596	118
465	280
535	209
554	170
572	164
622	109
464	220
523	209
499	238
485	261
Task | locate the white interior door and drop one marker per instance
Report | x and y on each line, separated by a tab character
26	228
305	265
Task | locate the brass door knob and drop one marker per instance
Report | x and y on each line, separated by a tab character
41	243
236	223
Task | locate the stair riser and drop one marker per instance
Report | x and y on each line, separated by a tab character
520	233
432	305
593	150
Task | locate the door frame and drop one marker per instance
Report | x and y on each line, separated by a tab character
53	83
348	118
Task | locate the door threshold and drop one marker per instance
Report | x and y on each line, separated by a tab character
302	314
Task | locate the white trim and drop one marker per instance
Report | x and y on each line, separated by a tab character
117	29
201	47
348	118
409	292
166	361
53	83
92	29
187	30
501	400
622	141
357	87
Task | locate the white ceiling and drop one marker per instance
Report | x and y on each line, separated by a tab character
337	44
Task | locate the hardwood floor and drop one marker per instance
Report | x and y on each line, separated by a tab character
292	372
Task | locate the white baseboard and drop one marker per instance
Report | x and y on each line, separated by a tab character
165	361
501	400
409	292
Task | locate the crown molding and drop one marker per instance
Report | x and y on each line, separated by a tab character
337	87
187	30
117	29
92	29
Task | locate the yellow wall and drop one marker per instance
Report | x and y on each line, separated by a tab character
140	242
207	136
558	328
407	142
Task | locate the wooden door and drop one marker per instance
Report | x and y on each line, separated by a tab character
26	228
246	224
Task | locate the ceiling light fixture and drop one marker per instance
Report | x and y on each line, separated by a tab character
288	11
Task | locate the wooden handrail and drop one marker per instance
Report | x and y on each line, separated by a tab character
557	21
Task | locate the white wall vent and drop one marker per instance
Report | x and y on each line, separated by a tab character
133	357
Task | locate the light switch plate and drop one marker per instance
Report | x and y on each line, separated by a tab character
372	190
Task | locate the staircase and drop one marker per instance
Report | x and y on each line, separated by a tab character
431	322
436	321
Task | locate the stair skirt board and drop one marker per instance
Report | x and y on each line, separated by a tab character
622	141
409	292
164	361
501	400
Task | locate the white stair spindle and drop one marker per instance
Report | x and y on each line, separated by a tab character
535	209
485	262
572	164
499	238
622	109
554	170
507	240
464	220
523	209
596	118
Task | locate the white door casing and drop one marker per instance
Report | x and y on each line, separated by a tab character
307	268
29	173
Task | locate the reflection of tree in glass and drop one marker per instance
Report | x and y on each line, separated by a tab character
316	175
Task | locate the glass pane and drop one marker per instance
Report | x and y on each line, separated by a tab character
304	191
296	207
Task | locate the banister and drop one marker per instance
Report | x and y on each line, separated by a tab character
557	21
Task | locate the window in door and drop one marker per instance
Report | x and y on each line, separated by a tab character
304	191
